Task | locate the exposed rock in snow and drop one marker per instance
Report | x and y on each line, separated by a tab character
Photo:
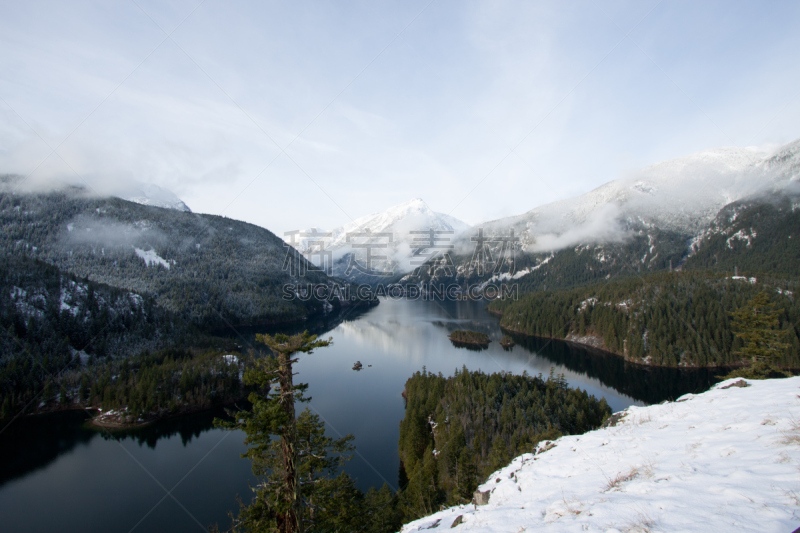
28	304
725	460
742	235
70	293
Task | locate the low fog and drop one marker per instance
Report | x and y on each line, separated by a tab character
105	233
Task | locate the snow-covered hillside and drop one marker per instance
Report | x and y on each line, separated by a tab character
399	221
682	194
725	460
150	194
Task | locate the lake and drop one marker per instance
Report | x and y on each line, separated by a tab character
183	474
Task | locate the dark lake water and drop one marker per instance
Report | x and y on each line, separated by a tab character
183	474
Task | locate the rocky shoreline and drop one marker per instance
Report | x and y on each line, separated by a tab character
595	342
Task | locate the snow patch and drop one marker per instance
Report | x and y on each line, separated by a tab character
742	235
151	257
507	276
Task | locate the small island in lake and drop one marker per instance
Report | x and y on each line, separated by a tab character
507	342
469	338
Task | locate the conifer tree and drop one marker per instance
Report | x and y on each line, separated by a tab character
382	510
299	455
499	456
757	324
63	397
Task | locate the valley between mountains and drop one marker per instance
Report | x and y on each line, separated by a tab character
648	267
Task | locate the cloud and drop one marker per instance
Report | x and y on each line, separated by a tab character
432	113
602	226
104	233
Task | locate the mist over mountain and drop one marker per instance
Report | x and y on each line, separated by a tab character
717	208
682	195
208	269
151	194
104	186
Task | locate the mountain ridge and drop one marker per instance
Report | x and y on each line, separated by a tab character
681	194
604	233
208	269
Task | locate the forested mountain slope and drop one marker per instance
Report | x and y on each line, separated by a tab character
52	324
646	250
760	235
667	319
459	429
757	235
47	312
209	269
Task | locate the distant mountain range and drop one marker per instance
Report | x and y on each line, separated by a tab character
651	219
721	208
714	209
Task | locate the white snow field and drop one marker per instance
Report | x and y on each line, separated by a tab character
725	460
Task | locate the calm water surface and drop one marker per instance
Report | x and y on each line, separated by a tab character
183	474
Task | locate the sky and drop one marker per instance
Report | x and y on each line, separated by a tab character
299	114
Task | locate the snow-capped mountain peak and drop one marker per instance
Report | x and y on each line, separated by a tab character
397	227
400	220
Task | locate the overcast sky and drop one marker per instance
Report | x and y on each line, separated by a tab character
299	114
